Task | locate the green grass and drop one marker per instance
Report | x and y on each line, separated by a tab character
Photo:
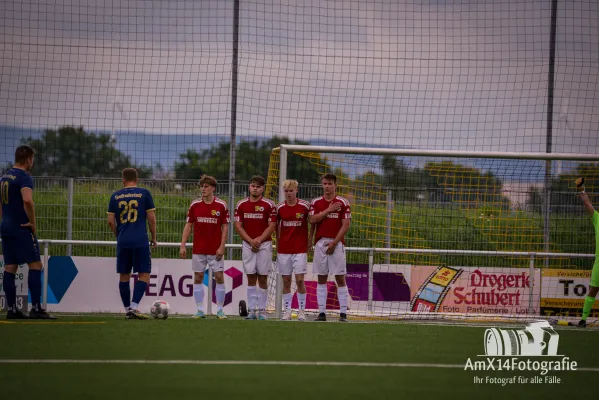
186	339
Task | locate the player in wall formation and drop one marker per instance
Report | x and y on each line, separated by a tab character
297	224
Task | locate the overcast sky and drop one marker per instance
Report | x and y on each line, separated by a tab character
461	75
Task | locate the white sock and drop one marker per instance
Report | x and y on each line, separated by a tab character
342	295
198	295
220	295
133	306
301	299
261	299
287	301
321	296
252	299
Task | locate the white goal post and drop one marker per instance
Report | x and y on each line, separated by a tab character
518	168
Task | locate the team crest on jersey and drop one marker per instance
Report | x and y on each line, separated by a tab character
299	215
215	212
258	208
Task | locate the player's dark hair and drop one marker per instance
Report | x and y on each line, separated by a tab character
206	179
22	154
258	180
329	177
130	174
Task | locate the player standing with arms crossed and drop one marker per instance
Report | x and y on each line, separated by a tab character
332	216
255	223
293	242
128	210
209	218
594	284
18	231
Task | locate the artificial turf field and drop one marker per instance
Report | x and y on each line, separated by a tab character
171	359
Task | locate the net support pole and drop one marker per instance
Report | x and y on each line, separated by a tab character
370	278
279	278
209	300
70	215
549	135
233	139
531	273
390	206
46	273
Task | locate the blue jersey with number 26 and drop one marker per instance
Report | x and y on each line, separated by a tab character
13	211
130	206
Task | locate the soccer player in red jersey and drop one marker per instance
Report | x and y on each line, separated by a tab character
255	223
292	246
208	217
331	216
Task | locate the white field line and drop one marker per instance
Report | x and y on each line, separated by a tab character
244	362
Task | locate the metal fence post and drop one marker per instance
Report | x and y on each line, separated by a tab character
370	278
70	215
46	267
531	272
209	302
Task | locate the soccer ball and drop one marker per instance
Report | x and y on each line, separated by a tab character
160	309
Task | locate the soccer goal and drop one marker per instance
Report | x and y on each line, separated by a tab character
452	234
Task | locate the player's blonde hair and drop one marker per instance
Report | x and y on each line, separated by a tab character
290	184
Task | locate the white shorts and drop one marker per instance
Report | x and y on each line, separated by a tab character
201	262
257	263
288	264
333	264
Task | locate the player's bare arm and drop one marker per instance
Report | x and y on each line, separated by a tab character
111	220
340	235
152	223
588	206
27	195
184	239
243	234
333	207
223	239
272	226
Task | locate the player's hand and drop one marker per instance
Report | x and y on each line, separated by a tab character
30	226
220	253
331	248
255	243
153	244
334	207
580	184
183	252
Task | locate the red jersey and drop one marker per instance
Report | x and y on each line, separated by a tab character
255	215
329	227
293	227
207	222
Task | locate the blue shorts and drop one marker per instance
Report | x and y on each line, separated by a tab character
22	248
136	258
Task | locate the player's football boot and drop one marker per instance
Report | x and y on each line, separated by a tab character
301	316
286	315
321	317
40	313
342	317
199	314
135	314
252	315
15	315
262	316
221	314
582	323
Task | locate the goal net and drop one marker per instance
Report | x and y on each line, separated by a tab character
469	235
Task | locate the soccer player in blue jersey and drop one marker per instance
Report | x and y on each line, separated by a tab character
18	231
128	211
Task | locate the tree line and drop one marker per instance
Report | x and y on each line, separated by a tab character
71	151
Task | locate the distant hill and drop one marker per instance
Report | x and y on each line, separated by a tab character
149	149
